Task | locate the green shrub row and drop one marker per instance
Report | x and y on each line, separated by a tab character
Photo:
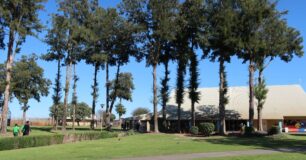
30	141
10	143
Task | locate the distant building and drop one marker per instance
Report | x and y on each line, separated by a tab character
285	104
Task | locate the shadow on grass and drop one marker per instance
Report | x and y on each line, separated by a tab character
283	145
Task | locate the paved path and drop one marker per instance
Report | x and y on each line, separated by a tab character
215	154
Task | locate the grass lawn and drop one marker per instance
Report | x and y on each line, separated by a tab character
153	145
280	156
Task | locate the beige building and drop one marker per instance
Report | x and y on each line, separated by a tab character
285	103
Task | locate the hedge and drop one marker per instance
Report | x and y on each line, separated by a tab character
10	143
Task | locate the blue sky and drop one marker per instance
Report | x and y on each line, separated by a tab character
278	72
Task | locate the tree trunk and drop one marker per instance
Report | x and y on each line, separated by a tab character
56	118
9	63
120	122
222	129
251	94
94	97
109	113
58	76
179	118
155	99
67	85
165	94
107	86
74	97
192	114
115	89
24	116
259	106
107	117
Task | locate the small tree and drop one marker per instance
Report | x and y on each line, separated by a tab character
57	111
140	110
123	88
29	82
81	110
121	110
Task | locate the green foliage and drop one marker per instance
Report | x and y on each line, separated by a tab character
30	141
140	110
120	109
11	143
124	87
82	110
260	92
194	130
28	81
274	130
206	128
57	110
249	131
112	117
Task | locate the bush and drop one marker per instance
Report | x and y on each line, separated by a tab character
274	130
45	140
30	141
248	131
194	130
206	128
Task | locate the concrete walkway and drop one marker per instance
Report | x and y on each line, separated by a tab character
215	154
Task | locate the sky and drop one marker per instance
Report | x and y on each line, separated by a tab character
278	72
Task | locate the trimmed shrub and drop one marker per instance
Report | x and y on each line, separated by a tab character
30	141
274	130
248	131
194	130
9	143
206	128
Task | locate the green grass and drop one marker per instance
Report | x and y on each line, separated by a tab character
152	145
280	156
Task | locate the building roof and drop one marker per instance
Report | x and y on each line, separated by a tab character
282	100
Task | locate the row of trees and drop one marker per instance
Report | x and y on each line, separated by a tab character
158	31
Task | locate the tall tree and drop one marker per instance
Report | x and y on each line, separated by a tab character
166	57
276	39
222	39
73	14
194	26
19	19
120	43
28	82
194	95
56	39
74	95
94	53
253	16
156	21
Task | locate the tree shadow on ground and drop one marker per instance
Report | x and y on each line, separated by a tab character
283	145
